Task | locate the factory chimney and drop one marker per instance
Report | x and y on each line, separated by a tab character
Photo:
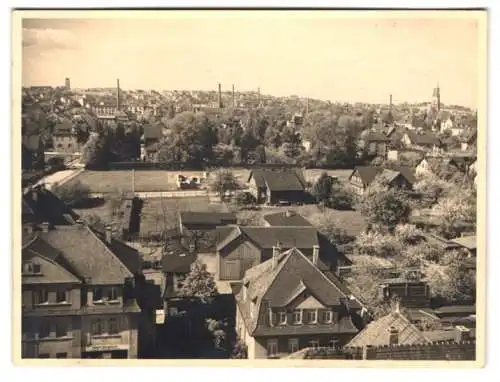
118	94
390	102
220	96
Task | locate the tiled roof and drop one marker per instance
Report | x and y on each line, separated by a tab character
279	180
178	263
278	285
425	138
468	242
268	237
87	254
376	333
288	218
369	173
46	207
208	218
129	256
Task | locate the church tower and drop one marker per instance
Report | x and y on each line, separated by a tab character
436	98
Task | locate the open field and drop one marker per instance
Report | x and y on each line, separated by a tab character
159	214
158	180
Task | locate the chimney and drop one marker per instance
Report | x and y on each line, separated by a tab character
393	336
390	102
45	226
315	255
462	334
220	96
109	234
234	101
276	253
118	94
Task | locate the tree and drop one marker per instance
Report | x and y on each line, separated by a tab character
455	283
456	213
218	331
244	199
377	244
199	283
322	188
72	193
339	197
431	188
95	221
384	205
94	152
408	234
239	350
330	227
224	181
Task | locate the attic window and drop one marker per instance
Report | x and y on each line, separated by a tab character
31	268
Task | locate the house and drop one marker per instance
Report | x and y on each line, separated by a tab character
412	291
374	142
362	176
286	303
242	247
203	221
79	292
64	138
152	134
422	139
288	218
277	185
429	165
468	243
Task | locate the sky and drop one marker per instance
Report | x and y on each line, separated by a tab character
313	54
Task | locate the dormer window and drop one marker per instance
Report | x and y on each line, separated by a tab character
282	317
112	294
31	268
312	316
297	316
327	316
97	294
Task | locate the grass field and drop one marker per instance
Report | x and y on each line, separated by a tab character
157	180
158	214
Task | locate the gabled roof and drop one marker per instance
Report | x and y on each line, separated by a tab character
376	333
87	254
369	173
41	205
179	263
294	273
268	237
152	132
207	218
284	179
424	138
468	242
287	219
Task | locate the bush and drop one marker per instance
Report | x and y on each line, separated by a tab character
244	199
73	194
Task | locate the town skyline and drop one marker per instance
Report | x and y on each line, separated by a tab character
316	53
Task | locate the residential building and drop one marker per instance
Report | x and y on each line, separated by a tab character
425	140
204	221
64	138
362	176
78	294
277	185
288	218
286	303
375	142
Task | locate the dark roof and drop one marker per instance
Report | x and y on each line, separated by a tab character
152	132
41	205
284	179
268	237
369	173
287	218
208	218
468	242
178	263
376	333
293	275
87	254
424	138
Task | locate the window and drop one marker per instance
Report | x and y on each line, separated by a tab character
97	327
44	331
43	296
97	294
327	316
334	344
314	344
113	326
272	347
312	316
61	355
297	316
112	294
61	329
282	317
61	296
37	269
293	345
31	268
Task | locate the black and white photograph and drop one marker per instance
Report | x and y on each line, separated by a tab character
249	185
